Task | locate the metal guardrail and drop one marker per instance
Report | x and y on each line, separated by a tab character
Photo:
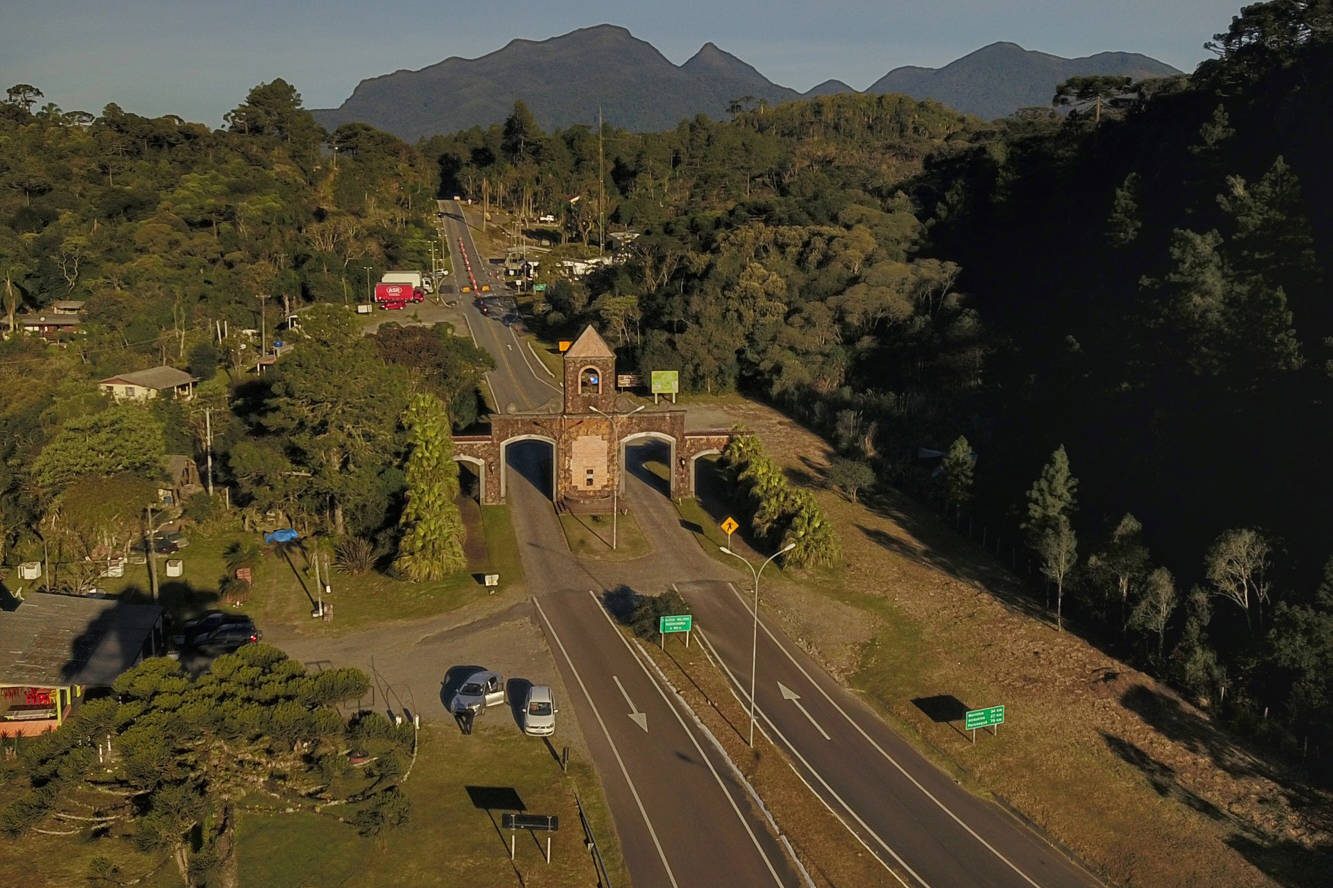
603	880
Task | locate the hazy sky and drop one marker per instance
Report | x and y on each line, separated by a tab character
198	58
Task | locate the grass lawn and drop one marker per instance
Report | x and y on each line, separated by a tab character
34	860
449	839
284	590
589	536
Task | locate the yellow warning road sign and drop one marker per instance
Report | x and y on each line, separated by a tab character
729	526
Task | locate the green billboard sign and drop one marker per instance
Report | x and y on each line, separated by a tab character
666	382
675	623
983	718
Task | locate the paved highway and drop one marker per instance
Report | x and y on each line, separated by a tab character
519	383
921	825
682	817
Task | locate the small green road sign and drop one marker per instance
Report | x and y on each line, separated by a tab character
665	382
675	623
983	718
539	288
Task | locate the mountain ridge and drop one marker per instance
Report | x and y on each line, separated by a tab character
565	79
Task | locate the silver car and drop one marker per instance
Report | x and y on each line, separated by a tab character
539	711
479	690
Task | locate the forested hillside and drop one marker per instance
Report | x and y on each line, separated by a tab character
167	232
1140	292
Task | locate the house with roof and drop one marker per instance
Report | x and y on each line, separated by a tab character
144	385
48	324
55	648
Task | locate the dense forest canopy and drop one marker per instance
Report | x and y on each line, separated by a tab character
1108	332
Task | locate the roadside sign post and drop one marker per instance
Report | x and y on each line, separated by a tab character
729	527
665	382
547	823
675	623
990	717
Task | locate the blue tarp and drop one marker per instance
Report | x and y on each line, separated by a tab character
283	535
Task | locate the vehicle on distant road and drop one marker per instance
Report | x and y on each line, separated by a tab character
479	690
539	711
546	218
203	626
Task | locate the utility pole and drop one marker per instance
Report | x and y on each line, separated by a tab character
601	186
615	485
263	323
485	201
208	445
150	548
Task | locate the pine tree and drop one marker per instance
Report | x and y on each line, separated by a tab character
958	467
1054	495
432	543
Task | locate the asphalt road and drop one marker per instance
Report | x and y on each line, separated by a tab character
682	818
921	825
519	383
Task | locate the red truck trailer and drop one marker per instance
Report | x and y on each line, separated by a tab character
392	296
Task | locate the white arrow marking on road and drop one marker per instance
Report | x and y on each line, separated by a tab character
640	718
789	694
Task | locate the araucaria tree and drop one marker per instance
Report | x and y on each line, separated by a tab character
958	464
432	543
1051	503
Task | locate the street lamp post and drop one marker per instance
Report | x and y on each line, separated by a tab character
754	638
615	488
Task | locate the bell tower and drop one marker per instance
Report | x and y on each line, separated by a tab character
590	374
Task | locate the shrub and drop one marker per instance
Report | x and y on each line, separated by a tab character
355	555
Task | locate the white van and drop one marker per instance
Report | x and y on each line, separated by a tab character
539	712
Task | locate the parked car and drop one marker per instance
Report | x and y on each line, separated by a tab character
193	630
539	711
479	690
228	637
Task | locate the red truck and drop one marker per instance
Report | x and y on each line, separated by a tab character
395	296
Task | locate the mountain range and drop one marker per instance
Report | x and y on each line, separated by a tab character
565	79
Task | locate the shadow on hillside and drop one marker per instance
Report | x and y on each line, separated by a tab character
1168	715
1162	777
1287	862
993	579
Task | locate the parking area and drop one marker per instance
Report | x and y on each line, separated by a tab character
415	668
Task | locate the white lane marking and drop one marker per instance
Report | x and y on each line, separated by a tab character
716	659
688	733
822	782
788	694
614	751
540	363
640	718
523	354
890	759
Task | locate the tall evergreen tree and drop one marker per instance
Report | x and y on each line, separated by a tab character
432	543
959	464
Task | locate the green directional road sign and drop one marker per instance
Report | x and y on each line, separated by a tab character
539	288
675	623
983	718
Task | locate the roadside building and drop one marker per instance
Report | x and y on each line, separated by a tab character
144	385
50	325
56	648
